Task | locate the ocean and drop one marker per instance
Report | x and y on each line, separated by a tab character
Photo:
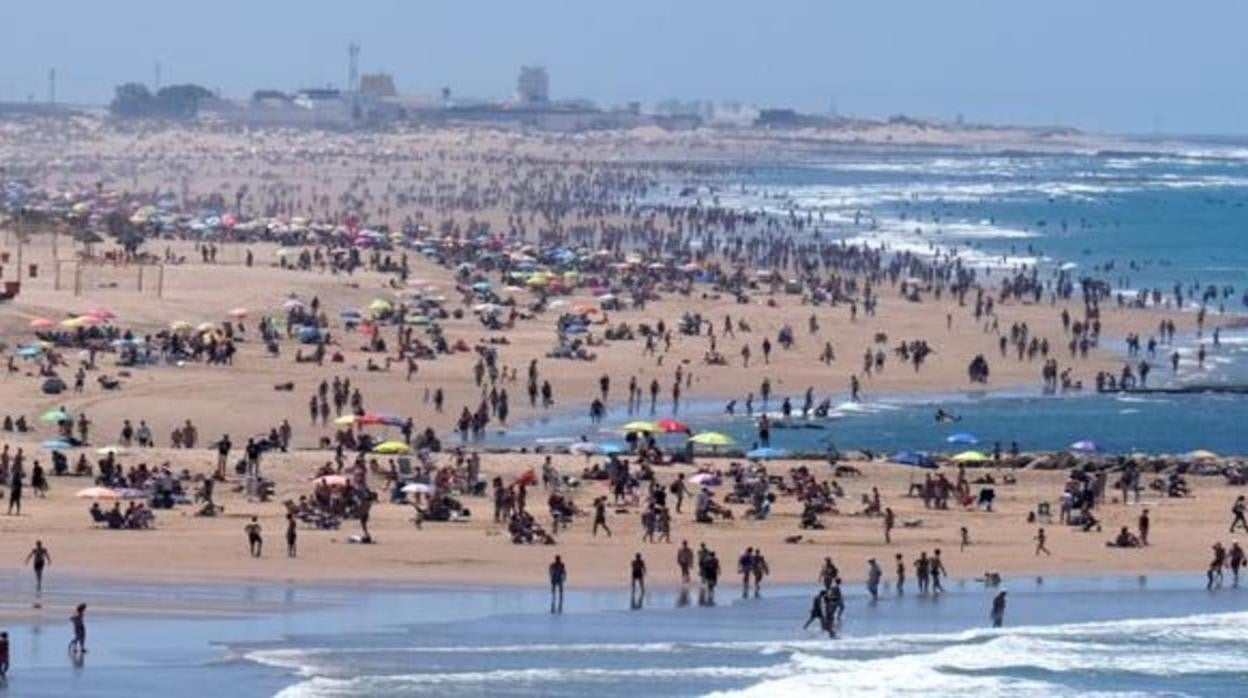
1155	636
1136	221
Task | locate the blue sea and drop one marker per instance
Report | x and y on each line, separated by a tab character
1145	221
1097	636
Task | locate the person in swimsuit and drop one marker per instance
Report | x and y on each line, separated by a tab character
39	558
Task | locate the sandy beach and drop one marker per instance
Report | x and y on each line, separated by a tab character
240	399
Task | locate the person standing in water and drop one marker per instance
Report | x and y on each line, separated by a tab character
937	570
558	575
684	560
998	609
254	542
637	585
817	610
1235	560
78	645
873	579
760	570
39	557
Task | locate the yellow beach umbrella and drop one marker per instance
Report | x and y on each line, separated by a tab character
392	447
711	438
180	326
969	457
345	420
639	428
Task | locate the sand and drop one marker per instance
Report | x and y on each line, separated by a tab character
240	399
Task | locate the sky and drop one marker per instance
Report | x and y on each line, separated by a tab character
1126	66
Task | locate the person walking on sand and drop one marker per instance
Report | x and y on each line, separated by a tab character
1040	540
890	520
254	542
39	557
292	536
15	489
1145	525
1238	510
966	539
78	645
600	517
998	609
558	575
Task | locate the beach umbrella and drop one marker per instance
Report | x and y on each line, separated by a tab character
41	323
392	448
767	453
111	450
29	352
639	428
1202	454
331	481
609	449
672	426
711	438
98	493
292	303
205	327
71	323
481	286
238	313
102	313
180	326
379	306
969	457
585	447
56	445
54	416
417	488
1085	446
962	438
705	479
913	459
345	420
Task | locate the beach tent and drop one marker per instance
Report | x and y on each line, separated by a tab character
969	457
962	438
767	453
913	459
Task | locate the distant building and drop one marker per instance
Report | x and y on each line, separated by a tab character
533	85
377	85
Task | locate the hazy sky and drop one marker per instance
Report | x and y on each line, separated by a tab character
1108	65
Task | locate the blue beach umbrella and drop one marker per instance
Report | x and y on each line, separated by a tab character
55	445
767	453
609	449
913	459
962	438
1085	446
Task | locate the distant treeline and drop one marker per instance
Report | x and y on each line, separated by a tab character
134	101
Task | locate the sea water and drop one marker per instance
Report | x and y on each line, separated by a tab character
1139	221
1115	636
